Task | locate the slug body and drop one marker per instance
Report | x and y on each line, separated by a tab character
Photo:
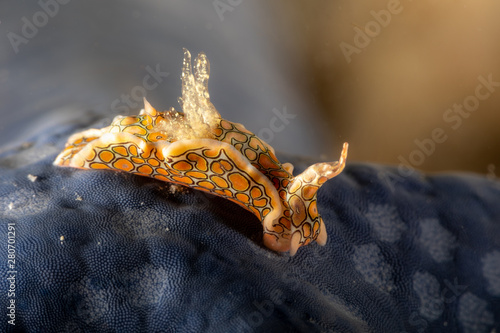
199	149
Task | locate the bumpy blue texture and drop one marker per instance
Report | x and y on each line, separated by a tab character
415	253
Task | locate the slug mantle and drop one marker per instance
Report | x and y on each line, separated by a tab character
199	149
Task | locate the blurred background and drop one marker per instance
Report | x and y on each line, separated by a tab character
413	83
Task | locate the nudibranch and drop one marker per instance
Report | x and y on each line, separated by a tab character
199	149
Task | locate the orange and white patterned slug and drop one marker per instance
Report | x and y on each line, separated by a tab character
199	149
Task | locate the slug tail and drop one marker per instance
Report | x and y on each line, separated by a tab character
306	223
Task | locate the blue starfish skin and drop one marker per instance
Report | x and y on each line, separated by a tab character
101	251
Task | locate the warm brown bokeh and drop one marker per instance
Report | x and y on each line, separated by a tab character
398	88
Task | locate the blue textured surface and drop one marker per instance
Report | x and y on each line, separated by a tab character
412	254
